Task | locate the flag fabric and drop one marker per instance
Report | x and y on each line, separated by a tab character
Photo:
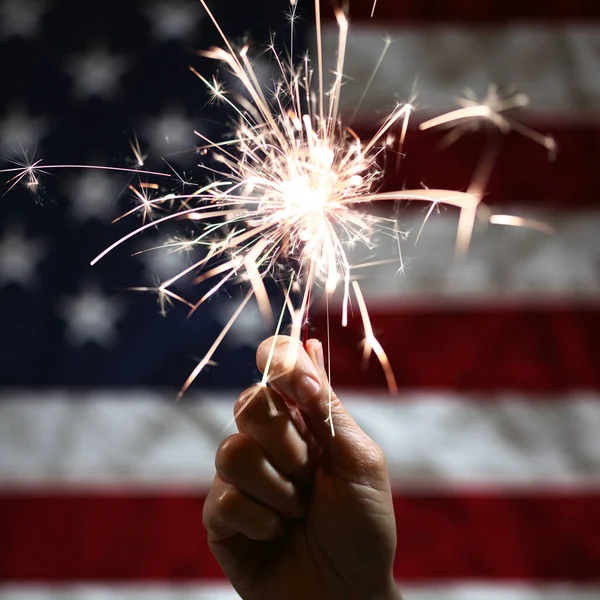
492	441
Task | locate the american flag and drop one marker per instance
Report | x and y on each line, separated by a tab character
493	441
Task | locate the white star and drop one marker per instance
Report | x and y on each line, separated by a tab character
97	73
19	258
174	20
93	195
20	18
248	329
171	131
91	317
19	132
165	258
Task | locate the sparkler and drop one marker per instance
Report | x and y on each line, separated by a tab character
294	190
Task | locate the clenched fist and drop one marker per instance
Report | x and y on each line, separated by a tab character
295	513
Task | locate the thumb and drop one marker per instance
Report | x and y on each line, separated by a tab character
299	374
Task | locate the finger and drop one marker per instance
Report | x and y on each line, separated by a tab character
263	415
300	375
241	462
228	512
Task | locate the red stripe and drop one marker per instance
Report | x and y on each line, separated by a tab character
522	172
160	537
538	349
473	11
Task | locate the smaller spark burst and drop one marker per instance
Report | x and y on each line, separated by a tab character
27	173
491	110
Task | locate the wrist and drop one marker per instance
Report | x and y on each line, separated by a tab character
389	592
393	593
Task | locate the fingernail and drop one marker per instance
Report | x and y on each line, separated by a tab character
319	356
307	387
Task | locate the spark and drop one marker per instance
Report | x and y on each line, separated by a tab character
386	47
137	152
145	204
371	343
25	171
492	109
514	221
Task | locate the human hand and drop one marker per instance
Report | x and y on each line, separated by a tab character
295	513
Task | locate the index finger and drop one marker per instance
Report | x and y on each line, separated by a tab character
302	379
277	433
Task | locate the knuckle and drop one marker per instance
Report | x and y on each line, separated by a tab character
218	505
375	459
272	526
207	515
263	350
267	527
252	405
297	462
277	344
222	509
232	452
264	345
227	501
245	400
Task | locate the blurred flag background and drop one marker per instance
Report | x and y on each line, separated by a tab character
493	441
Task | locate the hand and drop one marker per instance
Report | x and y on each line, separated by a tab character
295	513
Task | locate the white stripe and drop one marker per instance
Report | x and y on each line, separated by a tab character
218	591
224	592
432	440
556	66
504	262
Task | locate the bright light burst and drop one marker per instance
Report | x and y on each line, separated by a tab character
491	110
292	191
